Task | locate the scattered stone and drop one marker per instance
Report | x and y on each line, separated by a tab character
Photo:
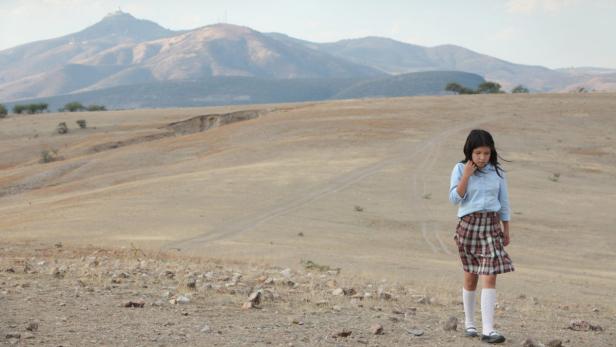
337	308
58	272
582	325
205	329
158	303
338	292
286	272
383	295
255	298
183	300
376	329
522	296
394	319
422	300
415	332
32	326
300	234
248	305
342	333
554	343
595	310
138	303
535	300
530	342
297	321
451	324
27	336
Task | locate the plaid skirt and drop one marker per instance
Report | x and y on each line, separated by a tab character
479	238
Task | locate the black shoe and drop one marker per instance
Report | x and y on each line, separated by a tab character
470	332
494	337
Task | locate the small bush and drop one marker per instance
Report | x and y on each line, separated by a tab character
458	88
520	89
81	123
3	111
72	107
30	108
489	88
47	156
96	108
62	128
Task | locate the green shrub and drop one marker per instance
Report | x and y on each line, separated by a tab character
489	88
96	108
81	123
30	108
47	156
3	111
520	89
458	88
72	107
62	128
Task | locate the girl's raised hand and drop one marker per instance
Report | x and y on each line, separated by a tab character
469	168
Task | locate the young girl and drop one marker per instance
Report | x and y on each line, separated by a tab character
479	186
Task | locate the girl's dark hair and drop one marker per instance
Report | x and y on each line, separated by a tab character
480	138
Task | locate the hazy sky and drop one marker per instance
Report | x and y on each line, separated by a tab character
552	33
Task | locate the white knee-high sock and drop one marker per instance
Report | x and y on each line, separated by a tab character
468	298
488	301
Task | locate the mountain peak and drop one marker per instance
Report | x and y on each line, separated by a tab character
123	24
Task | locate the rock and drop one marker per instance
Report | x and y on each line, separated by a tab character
394	319
582	325
342	333
286	272
13	335
522	296
376	329
554	343
338	291
331	283
530	342
349	291
383	295
27	336
297	321
205	329
337	308
137	303
300	234
535	300
158	303
248	305
451	324
58	272
415	332
422	300
183	300
32	326
255	298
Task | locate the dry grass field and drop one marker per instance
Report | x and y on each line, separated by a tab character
359	185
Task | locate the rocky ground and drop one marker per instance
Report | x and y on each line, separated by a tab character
59	295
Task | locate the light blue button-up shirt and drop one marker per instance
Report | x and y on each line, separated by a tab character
484	192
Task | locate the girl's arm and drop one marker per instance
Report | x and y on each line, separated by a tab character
469	170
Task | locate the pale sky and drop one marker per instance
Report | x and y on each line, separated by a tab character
551	33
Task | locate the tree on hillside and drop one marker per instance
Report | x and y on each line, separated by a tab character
96	108
489	88
30	108
520	89
72	107
3	111
458	88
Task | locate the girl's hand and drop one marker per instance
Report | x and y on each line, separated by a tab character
506	238
469	168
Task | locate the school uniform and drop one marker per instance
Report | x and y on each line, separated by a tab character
479	235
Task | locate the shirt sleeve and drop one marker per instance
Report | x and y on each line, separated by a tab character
456	176
503	198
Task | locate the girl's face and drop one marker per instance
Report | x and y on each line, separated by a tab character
481	156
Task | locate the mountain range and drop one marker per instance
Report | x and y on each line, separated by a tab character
121	51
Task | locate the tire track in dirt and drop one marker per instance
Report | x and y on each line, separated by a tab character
336	184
